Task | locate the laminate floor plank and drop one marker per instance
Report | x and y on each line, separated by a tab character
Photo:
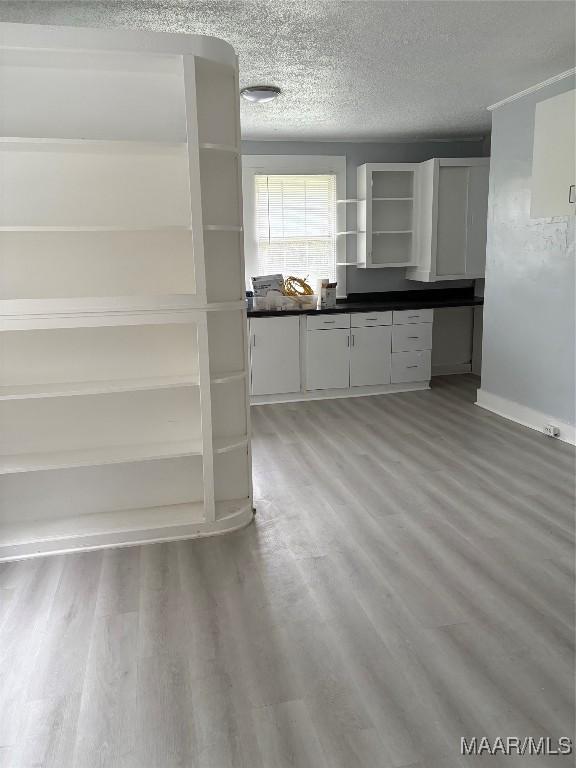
22	639
286	738
105	732
48	734
164	722
408	581
119	589
61	663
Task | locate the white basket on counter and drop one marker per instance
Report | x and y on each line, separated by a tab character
277	301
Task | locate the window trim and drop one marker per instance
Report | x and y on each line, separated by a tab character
286	164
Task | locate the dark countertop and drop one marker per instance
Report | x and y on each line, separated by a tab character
370	302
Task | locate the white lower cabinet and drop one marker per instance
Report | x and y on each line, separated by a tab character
328	359
370	356
275	355
339	354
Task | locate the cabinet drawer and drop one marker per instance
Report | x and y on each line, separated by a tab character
318	322
368	319
405	316
411	337
410	366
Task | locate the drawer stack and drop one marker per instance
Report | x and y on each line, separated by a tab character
411	345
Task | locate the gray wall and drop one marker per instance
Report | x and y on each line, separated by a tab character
529	339
365	280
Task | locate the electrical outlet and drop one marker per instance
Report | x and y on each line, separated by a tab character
551	430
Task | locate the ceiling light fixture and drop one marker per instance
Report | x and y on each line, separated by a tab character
260	94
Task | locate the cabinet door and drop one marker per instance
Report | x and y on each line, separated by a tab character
370	356
553	161
328	359
275	355
477	220
452	220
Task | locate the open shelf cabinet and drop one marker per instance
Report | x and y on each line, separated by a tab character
385	215
123	385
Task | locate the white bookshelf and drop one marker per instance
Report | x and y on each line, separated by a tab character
123	385
385	215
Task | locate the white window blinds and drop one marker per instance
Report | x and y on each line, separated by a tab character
296	225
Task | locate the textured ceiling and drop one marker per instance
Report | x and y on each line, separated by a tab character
358	70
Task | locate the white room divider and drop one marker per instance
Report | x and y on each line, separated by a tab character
123	376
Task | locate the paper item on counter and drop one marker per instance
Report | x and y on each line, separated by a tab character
265	283
327	294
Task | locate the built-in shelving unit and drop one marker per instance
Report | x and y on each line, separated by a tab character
385	214
123	385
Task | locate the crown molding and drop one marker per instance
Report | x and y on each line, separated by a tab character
533	89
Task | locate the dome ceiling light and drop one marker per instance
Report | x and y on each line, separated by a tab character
260	94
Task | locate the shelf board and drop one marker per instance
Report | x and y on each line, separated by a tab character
349	232
36	314
119	521
220	147
391	198
349	200
226	444
98	456
223	378
91	305
392	232
99	304
346	263
391	264
228	509
222	228
105	143
79	388
106	228
120	527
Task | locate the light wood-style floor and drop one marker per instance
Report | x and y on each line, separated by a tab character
408	581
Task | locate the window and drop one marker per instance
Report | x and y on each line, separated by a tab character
295	218
291	217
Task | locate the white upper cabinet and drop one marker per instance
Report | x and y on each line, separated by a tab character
451	207
554	160
386	206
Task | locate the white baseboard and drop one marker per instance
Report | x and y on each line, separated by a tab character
450	368
521	414
331	394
